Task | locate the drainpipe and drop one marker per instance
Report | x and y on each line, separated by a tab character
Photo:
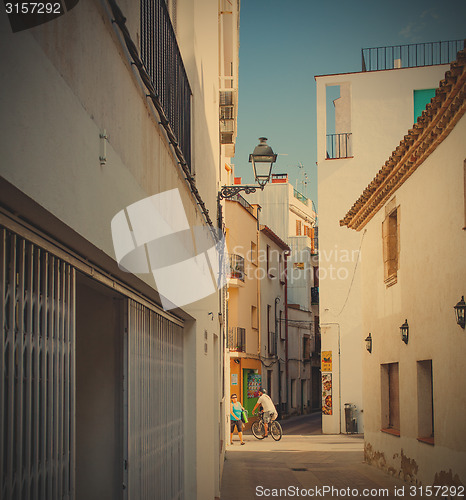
286	255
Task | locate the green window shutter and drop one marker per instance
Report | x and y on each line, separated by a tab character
421	99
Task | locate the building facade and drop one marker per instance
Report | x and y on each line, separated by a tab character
120	397
414	428
292	217
373	109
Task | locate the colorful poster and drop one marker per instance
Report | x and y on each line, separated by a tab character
326	394
254	382
234	379
326	361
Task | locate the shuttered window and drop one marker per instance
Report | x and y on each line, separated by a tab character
391	245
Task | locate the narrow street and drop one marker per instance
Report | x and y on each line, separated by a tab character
303	463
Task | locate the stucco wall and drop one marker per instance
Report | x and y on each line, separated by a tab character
430	281
381	114
65	82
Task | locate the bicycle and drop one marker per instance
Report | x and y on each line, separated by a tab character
258	429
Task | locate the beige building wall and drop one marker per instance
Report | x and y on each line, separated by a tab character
272	325
381	111
65	83
430	281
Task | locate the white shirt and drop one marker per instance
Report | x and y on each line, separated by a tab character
266	403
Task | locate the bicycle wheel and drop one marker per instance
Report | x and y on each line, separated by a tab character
276	430
258	429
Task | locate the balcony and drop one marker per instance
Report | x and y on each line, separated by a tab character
411	55
339	146
314	295
236	340
162	60
300	197
236	271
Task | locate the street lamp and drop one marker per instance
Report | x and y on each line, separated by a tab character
262	159
404	330
368	341
460	308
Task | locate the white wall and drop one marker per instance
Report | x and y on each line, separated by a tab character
62	84
381	114
430	281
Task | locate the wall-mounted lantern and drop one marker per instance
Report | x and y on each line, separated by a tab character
404	330
460	308
368	341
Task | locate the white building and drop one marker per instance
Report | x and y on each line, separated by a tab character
373	111
291	216
414	273
120	398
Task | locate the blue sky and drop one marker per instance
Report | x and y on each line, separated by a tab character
284	44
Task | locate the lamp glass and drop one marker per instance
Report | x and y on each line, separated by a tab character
262	160
404	330
460	309
368	340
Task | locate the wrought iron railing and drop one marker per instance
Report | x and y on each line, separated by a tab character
314	245
236	267
162	59
314	294
236	339
410	55
339	146
243	203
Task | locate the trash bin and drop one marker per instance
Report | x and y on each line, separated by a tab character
350	419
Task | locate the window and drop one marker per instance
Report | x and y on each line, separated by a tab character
271	335
421	99
306	230
281	327
391	242
253	257
293	393
425	401
390	398
269	382
268	260
298	228
338	111
464	168
306	347
254	317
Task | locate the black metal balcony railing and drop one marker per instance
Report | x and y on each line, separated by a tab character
161	57
339	146
236	267
410	55
243	203
236	340
314	294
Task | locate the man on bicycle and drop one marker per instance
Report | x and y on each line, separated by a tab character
270	413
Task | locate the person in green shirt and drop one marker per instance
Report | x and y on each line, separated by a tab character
236	408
